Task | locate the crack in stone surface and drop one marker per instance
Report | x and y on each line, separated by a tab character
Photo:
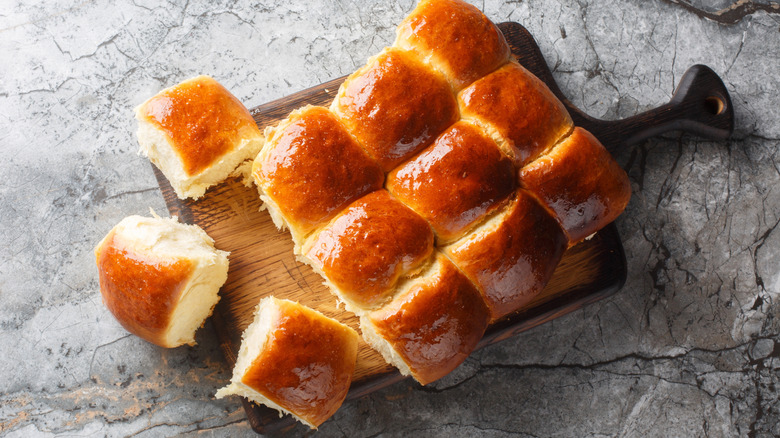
732	14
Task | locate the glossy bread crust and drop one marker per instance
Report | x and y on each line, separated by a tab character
395	106
307	363
202	119
456	181
512	257
141	290
365	249
312	168
456	38
518	108
581	183
435	323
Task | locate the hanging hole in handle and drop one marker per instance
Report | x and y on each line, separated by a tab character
714	105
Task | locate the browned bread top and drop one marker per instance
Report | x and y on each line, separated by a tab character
512	256
395	106
581	183
456	181
312	168
518	110
306	364
434	322
203	120
141	290
366	248
456	38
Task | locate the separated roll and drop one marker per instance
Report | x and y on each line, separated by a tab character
160	278
197	133
295	360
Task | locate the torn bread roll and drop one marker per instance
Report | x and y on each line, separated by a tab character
160	278
197	133
295	360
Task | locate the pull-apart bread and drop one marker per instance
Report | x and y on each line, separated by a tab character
160	278
486	183
295	360
197	134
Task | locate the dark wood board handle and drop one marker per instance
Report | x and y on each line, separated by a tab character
700	105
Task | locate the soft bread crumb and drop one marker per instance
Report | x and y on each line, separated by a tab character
383	347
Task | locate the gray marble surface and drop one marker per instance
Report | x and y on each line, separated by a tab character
689	347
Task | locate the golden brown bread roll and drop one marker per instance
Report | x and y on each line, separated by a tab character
512	256
455	182
295	360
518	110
310	169
160	278
581	183
368	247
455	37
197	134
431	326
395	106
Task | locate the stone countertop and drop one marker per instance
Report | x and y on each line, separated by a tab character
689	347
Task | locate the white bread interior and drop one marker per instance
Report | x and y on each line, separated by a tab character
253	342
157	146
383	347
166	238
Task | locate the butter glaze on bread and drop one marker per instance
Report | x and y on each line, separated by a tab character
456	38
581	183
368	247
395	106
432	325
310	169
160	278
197	133
455	182
512	256
295	360
518	110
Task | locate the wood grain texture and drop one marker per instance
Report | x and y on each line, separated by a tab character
262	261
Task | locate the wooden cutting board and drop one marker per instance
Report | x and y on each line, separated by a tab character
262	261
